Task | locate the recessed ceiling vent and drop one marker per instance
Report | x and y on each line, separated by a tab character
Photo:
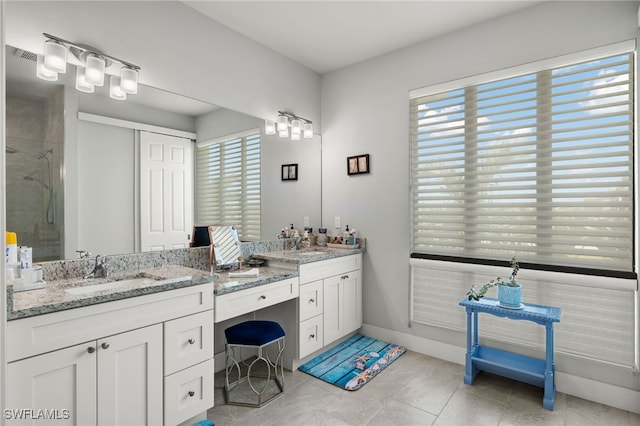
25	54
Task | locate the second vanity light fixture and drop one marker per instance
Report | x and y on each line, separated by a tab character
299	126
91	68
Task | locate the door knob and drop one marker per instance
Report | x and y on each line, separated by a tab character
91	349
191	341
105	345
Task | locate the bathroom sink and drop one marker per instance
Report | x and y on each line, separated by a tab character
132	283
311	253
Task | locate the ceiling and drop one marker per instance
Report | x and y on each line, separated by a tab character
328	35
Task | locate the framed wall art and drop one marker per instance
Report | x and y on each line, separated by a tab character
358	164
290	172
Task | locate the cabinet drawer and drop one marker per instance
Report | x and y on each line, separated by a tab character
188	393
252	299
318	270
311	336
188	341
310	300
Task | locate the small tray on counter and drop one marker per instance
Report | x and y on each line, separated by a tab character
343	246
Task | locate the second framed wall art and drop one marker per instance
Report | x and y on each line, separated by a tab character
290	172
358	164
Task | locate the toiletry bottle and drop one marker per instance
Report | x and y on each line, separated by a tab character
11	255
346	235
11	251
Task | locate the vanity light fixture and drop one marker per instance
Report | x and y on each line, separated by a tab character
115	89
81	81
92	66
44	73
300	127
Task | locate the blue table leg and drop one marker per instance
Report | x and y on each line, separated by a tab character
549	371
472	343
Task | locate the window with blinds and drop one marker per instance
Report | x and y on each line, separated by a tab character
538	165
228	183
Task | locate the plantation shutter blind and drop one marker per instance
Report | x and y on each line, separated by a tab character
228	183
539	165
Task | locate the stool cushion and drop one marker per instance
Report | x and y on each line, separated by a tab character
256	333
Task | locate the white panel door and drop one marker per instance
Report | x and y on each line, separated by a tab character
62	381
130	378
333	306
166	191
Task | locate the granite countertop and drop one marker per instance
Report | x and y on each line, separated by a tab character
308	255
55	297
225	284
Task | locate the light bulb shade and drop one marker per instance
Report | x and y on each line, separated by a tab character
81	82
307	130
43	72
55	56
115	91
296	128
129	80
269	127
94	73
283	124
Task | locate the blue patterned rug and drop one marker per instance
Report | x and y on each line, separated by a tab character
352	363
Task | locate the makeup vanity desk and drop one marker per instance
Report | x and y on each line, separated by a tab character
323	290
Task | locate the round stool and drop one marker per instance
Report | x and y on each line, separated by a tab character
259	336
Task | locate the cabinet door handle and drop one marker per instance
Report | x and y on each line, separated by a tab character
191	393
105	345
191	341
263	297
312	300
91	349
312	336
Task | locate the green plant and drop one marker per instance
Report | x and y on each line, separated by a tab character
474	294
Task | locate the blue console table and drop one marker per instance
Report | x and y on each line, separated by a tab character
526	369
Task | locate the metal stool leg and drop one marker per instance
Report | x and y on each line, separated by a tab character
233	361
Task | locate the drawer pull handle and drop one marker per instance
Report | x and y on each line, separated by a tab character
191	341
191	393
105	345
263	297
91	349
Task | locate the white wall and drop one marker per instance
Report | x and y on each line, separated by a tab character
365	109
179	50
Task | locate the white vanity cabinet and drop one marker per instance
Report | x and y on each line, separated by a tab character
336	287
116	362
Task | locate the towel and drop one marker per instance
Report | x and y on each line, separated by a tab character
253	272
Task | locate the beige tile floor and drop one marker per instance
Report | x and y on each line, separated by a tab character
416	390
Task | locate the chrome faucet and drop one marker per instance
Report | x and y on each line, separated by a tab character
83	253
99	269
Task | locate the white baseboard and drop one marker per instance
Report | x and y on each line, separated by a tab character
603	393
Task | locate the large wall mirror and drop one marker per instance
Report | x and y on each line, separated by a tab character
72	183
